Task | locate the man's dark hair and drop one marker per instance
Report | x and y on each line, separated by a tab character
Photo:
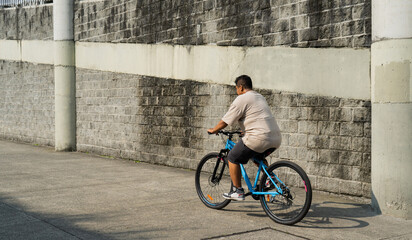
245	81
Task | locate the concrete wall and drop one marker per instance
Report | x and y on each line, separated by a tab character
154	99
27	102
165	120
307	23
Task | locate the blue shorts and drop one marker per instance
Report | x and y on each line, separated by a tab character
240	153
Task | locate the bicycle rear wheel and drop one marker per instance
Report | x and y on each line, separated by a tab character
293	201
212	180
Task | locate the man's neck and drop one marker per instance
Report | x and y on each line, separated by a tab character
247	90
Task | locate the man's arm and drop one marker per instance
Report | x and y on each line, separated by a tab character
218	127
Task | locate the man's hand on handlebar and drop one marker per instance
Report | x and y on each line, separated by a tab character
212	131
218	127
227	133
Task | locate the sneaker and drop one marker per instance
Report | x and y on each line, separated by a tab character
237	194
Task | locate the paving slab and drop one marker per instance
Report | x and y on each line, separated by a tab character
53	195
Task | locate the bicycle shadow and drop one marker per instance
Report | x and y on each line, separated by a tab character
322	215
337	215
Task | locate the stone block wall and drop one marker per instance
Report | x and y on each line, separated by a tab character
29	23
295	23
164	121
107	106
329	137
150	119
27	102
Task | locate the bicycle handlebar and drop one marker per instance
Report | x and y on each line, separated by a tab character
227	133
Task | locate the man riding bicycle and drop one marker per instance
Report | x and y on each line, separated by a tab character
261	132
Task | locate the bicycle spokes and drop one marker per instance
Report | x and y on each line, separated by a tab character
212	180
288	194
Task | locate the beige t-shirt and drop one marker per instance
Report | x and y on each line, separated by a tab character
256	120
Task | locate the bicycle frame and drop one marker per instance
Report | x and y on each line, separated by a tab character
262	167
283	204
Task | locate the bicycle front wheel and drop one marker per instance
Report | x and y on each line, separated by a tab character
293	193
212	180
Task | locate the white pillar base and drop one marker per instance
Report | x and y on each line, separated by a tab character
392	159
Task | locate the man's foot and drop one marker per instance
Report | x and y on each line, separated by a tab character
237	194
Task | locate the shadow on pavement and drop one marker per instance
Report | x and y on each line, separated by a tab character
322	215
18	223
337	215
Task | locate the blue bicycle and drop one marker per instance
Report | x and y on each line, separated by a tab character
284	190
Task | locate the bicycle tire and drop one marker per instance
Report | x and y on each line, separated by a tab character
210	193
293	205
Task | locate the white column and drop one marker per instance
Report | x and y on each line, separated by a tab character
64	76
391	68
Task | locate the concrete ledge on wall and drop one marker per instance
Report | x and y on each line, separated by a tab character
337	72
34	51
10	50
328	72
37	51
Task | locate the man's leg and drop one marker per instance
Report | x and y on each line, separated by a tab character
235	174
237	192
239	154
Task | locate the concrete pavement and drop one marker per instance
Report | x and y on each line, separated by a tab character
49	195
